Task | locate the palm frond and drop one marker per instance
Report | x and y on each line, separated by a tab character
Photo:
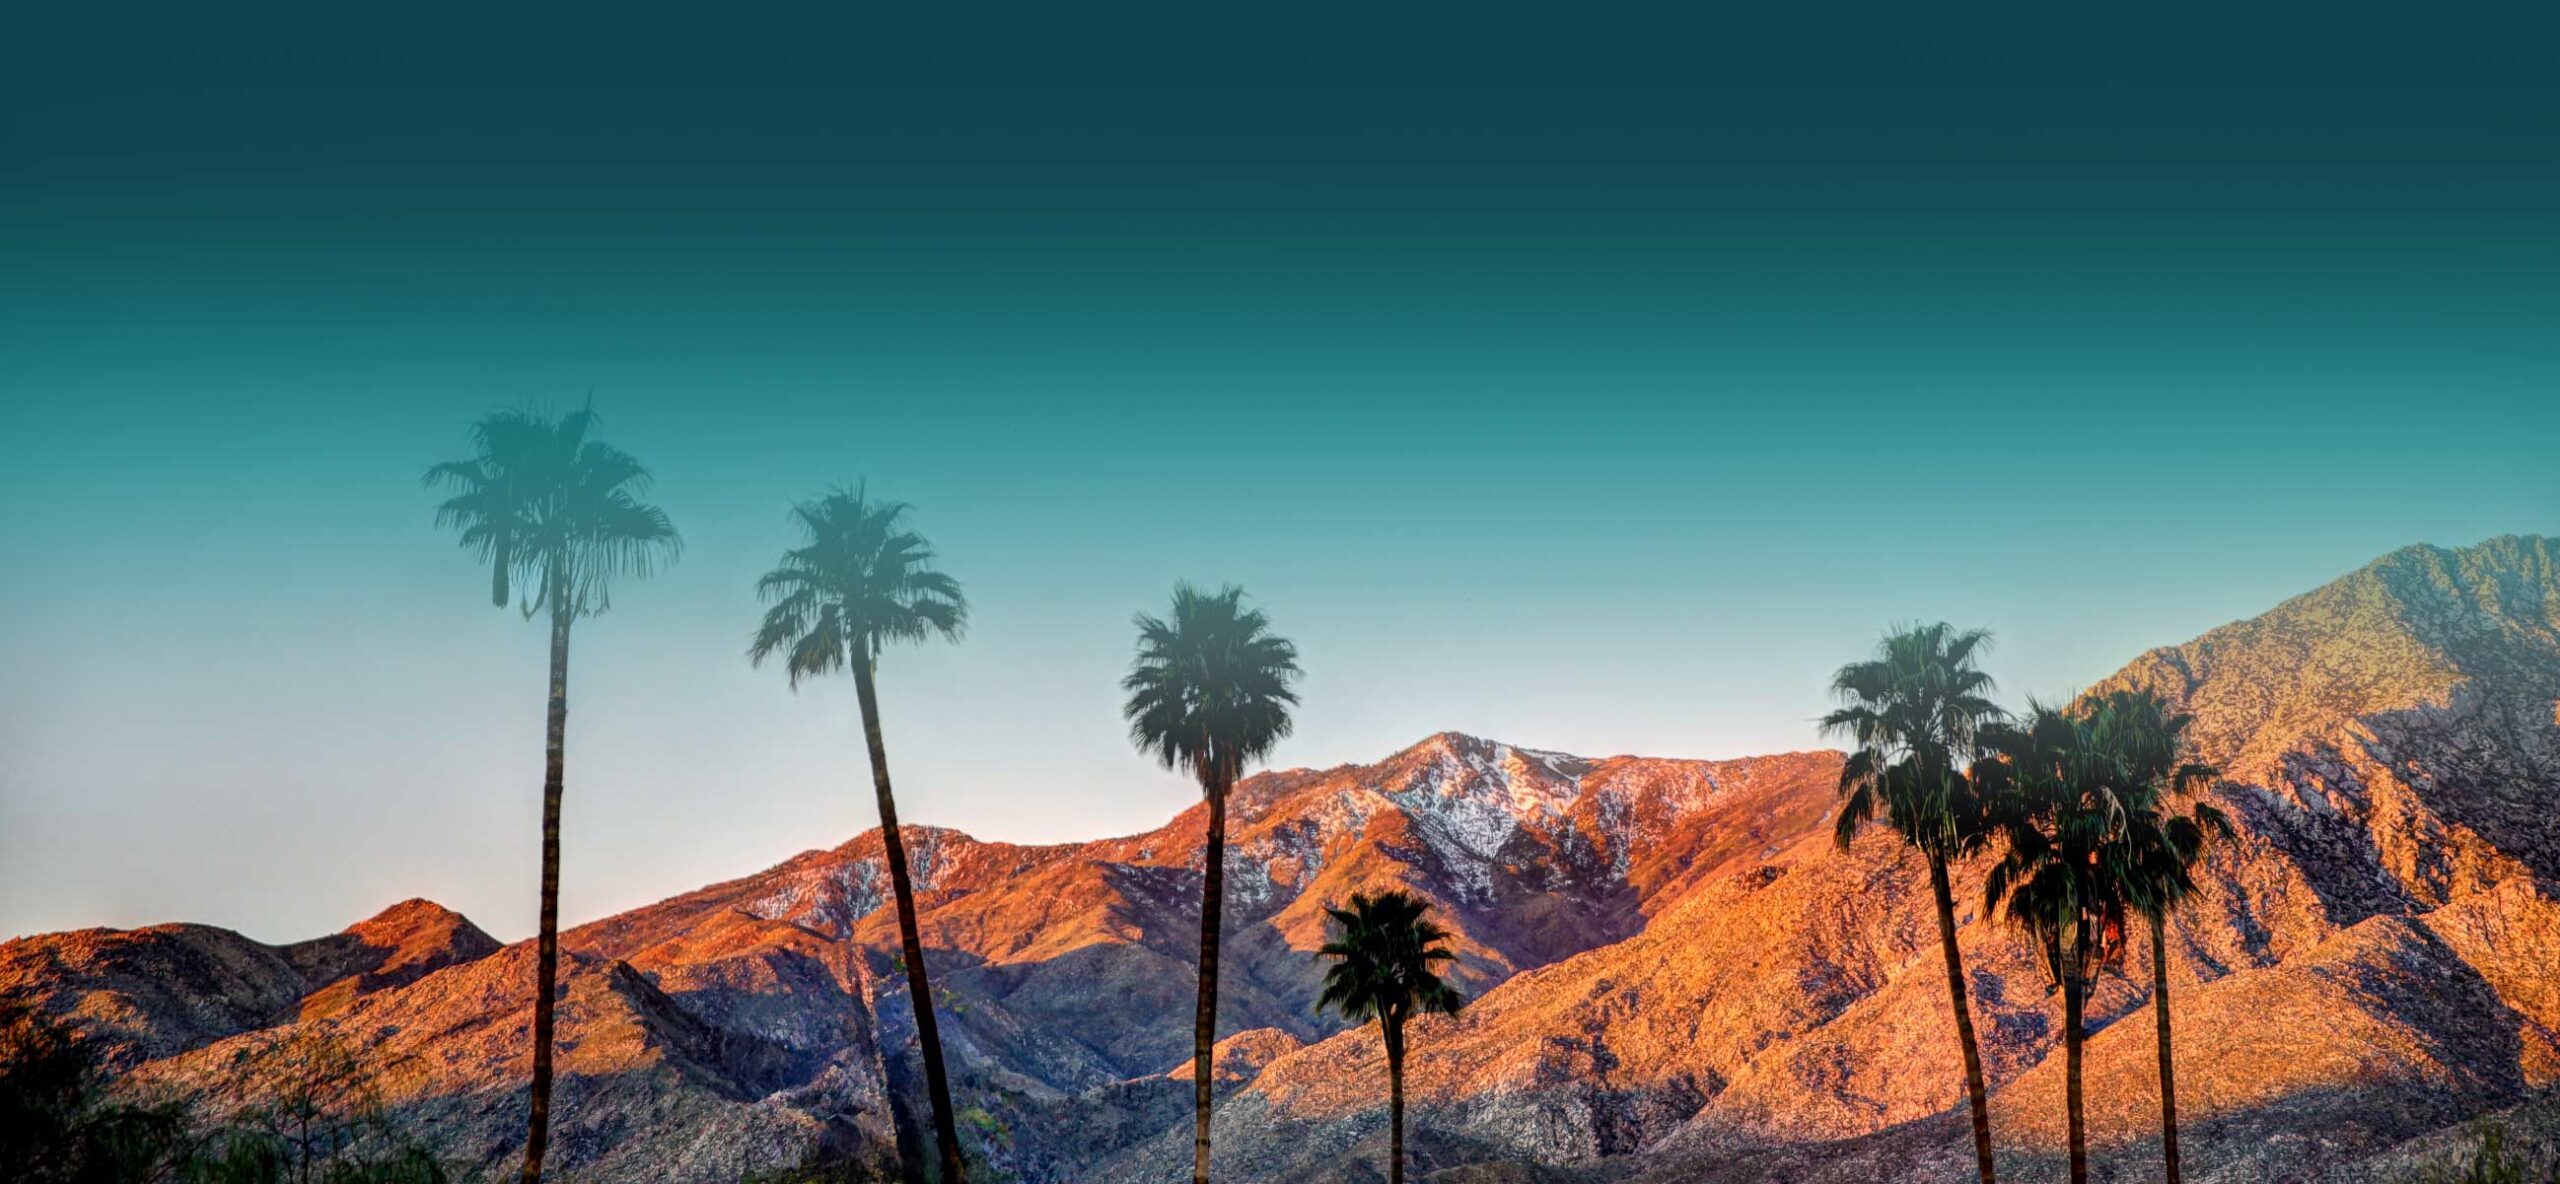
544	503
1383	951
860	580
1210	690
1914	716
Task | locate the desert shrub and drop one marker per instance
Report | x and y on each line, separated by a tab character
320	1124
2494	1159
57	1126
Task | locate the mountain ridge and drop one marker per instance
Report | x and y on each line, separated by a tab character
1673	972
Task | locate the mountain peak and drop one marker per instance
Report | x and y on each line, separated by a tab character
2413	630
394	947
1451	741
411	913
1464	745
2511	579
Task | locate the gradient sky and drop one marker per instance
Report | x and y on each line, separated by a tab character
1588	398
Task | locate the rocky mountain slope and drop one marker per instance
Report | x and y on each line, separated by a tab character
2373	957
1674	974
143	994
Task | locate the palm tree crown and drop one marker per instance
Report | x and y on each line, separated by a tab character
2083	795
1385	954
862	579
1915	713
2159	845
2057	790
542	499
1209	691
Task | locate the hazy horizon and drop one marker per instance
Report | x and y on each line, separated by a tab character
648	884
1602	403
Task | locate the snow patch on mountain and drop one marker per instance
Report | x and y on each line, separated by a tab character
828	899
1468	798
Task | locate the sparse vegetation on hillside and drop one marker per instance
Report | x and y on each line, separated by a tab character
2494	1159
320	1123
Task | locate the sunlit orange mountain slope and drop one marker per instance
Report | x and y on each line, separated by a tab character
1674	974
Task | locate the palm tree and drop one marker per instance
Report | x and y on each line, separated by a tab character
542	501
1384	951
2058	792
2159	849
1208	693
1915	713
860	580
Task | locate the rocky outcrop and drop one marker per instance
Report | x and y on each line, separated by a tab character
1240	1058
142	994
748	1049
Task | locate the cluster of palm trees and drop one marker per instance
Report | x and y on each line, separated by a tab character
557	514
2080	803
2088	810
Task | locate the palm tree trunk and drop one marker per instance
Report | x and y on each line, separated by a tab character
1393	1029
2074	1112
946	1136
546	974
1964	1016
2168	1070
1204	1028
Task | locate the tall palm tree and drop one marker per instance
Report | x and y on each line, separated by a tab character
1208	693
1384	951
2159	848
1915	713
2058	792
859	581
545	503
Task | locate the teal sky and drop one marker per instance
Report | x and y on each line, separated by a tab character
1588	398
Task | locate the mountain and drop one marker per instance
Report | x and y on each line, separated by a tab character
746	1057
1673	973
2372	958
392	948
144	994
